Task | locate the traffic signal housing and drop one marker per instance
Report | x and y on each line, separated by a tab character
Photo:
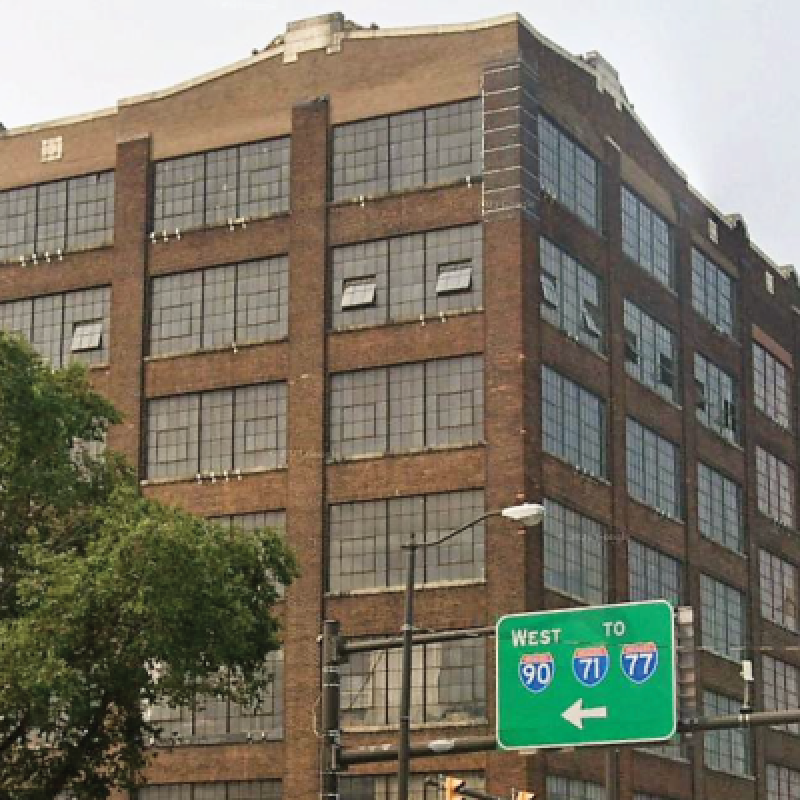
452	788
525	795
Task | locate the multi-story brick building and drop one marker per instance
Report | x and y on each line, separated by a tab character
368	282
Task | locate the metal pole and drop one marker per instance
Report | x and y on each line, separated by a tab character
375	754
404	739
612	773
329	749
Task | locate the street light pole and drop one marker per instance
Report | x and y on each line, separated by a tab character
527	514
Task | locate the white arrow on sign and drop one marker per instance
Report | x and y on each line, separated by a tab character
576	713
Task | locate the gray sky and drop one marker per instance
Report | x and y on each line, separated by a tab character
716	81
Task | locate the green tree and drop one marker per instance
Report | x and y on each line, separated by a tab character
108	600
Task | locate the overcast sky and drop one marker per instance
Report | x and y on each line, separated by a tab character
716	81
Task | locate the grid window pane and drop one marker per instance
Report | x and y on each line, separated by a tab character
653	575
771	382
453	140
90	211
360	158
780	685
723	618
51	217
647	238
176	309
653	469
726	750
259	431
178	193
264	178
774	488
560	788
719	508
17	223
651	352
717	398
219	307
783	783
222	185
713	293
778	588
233	790
453	400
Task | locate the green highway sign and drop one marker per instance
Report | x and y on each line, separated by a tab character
586	676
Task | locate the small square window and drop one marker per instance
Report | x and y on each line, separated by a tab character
87	336
358	292
713	231
454	277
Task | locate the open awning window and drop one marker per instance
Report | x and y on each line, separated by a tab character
86	336
358	292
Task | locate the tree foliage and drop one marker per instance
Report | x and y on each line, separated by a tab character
108	600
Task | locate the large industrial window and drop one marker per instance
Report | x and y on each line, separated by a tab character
717	398
713	293
448	685
771	381
719	508
778	586
365	540
653	575
774	488
560	788
233	790
569	173
780	684
220	306
73	326
783	783
727	750
653	468
572	296
384	787
406	407
227	429
58	217
574	554
574	423
646	238
400	279
651	352
402	151
723	618
213	188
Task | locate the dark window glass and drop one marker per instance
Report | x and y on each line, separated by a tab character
653	469
646	238
713	293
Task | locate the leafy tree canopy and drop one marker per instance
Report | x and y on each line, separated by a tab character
108	600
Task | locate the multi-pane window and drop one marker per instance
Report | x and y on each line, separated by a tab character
401	151
572	296
646	238
448	685
218	718
66	215
569	173
384	787
729	749
217	431
653	469
560	788
233	790
574	553
653	575
780	685
213	188
774	488
649	796
391	280
771	393
719	508
723	617
366	538
573	422
651	352
778	587
717	398
783	783
73	326
713	293
406	407
220	306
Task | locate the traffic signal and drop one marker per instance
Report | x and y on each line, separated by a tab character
452	787
525	796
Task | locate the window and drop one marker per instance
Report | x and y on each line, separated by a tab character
713	293
723	618
717	398
653	575
448	685
726	750
783	783
62	216
572	297
393	280
719	508
383	787
574	553
406	407
569	173
227	429
62	328
365	540
771	392
780	688
647	239
235	790
778	586
206	189
649	796
653	469
574	424
220	306
559	788
774	488
651	352
403	151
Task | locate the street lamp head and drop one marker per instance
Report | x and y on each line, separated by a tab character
528	514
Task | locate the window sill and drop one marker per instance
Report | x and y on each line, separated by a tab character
361	200
417	726
575	339
781	526
729	337
636	265
780	626
578	470
656	511
42	261
437	585
223	348
724	546
787	429
255	737
549	198
105	365
724	439
444	448
729	773
422	320
157	237
650	390
704	648
205	477
582	601
655	750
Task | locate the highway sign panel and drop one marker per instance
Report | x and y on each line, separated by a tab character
586	676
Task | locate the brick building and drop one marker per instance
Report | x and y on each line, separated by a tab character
368	282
